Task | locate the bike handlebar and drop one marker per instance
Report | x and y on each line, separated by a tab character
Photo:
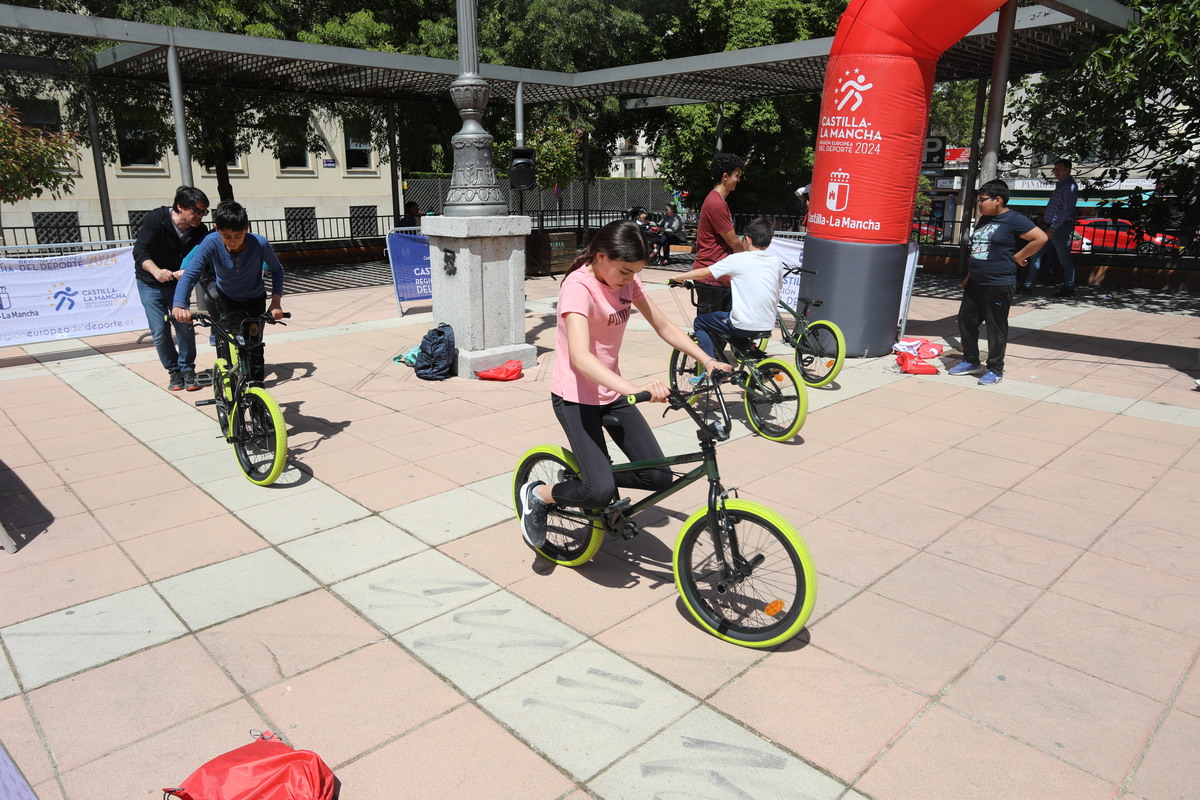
676	399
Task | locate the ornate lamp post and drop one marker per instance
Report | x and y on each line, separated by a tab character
474	191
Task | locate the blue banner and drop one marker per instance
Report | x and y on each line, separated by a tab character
409	258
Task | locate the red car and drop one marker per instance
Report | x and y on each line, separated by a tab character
1122	236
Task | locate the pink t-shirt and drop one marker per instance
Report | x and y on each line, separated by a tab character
607	310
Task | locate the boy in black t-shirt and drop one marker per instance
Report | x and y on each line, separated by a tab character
992	279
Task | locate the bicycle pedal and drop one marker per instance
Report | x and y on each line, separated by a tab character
212	401
631	530
204	378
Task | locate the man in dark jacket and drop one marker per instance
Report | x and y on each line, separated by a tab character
166	236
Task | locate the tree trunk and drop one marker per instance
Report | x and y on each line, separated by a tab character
224	187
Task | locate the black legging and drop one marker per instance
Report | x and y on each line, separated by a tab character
664	244
585	433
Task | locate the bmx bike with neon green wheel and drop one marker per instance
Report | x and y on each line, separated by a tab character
742	570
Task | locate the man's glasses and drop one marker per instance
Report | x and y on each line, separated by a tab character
200	212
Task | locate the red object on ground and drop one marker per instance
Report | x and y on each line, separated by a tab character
265	769
911	365
508	371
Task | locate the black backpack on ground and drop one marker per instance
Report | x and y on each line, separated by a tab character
435	362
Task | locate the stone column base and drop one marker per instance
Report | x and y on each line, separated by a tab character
472	361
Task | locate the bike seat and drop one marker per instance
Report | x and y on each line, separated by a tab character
808	301
610	420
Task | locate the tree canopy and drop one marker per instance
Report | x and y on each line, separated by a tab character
35	161
1130	106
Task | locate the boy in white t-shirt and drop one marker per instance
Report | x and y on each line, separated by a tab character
757	279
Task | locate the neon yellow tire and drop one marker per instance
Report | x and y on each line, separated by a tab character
571	538
259	436
763	609
775	399
820	353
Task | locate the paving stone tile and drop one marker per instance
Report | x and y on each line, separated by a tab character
418	588
502	767
1169	770
351	549
908	520
438	519
704	751
64	536
973	598
1046	517
488	642
881	635
665	640
284	640
97	712
149	515
50	647
388	488
24	746
332	711
976	762
221	591
166	758
1020	556
586	708
851	555
191	545
1057	709
50	585
1105	644
8	682
838	715
306	510
1136	591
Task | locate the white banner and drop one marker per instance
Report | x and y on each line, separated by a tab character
791	252
68	297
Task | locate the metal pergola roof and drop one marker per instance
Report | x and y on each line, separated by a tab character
1042	41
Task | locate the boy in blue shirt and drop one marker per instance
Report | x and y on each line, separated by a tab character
237	258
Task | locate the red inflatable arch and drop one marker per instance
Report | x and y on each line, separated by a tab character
870	140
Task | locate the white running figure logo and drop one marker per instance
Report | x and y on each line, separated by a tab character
853	90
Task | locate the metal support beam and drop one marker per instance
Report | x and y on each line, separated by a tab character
98	165
181	140
995	119
393	163
519	109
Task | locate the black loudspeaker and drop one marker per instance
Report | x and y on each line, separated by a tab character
521	169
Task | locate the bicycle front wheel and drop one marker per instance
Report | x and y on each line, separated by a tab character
820	353
775	399
761	599
572	535
259	436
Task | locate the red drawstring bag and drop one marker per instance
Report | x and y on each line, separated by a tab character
911	365
508	371
265	769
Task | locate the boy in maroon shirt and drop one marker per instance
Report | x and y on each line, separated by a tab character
715	238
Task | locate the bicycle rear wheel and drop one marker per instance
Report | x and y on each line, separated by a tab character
820	353
572	538
259	436
683	368
775	399
763	600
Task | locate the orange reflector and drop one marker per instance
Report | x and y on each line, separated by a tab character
774	608
778	377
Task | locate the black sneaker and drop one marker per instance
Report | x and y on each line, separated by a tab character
176	382
533	515
1024	289
190	383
